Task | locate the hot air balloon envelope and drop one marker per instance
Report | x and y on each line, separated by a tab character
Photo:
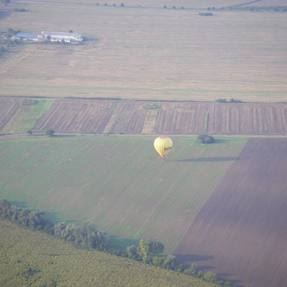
163	145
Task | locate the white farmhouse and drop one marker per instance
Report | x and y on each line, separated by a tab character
62	37
26	37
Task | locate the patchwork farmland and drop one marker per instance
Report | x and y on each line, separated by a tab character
221	206
145	71
117	182
147	117
241	232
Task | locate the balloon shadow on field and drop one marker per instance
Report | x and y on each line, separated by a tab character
207	159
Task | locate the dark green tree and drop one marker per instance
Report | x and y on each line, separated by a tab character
50	132
170	262
132	252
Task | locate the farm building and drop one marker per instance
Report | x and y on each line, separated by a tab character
26	37
62	37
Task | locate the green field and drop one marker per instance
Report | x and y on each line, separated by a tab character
148	53
57	263
117	182
28	114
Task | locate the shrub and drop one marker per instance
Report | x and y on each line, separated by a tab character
132	252
206	139
170	262
209	277
50	132
234	101
192	270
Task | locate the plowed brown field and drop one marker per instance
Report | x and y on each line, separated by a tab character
135	117
242	229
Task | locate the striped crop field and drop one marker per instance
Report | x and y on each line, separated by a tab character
148	117
21	114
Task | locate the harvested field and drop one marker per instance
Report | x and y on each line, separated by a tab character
154	54
136	117
117	182
242	229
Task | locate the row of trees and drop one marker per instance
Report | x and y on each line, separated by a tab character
240	7
32	219
88	237
85	236
206	276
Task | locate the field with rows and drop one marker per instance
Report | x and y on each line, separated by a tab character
86	116
146	117
94	116
148	53
21	114
117	182
52	262
241	231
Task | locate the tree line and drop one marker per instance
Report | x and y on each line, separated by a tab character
82	235
88	237
32	219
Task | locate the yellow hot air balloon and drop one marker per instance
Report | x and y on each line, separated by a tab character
163	145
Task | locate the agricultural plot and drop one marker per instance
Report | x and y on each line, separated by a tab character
241	232
8	108
117	182
21	114
149	53
218	118
102	116
136	117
